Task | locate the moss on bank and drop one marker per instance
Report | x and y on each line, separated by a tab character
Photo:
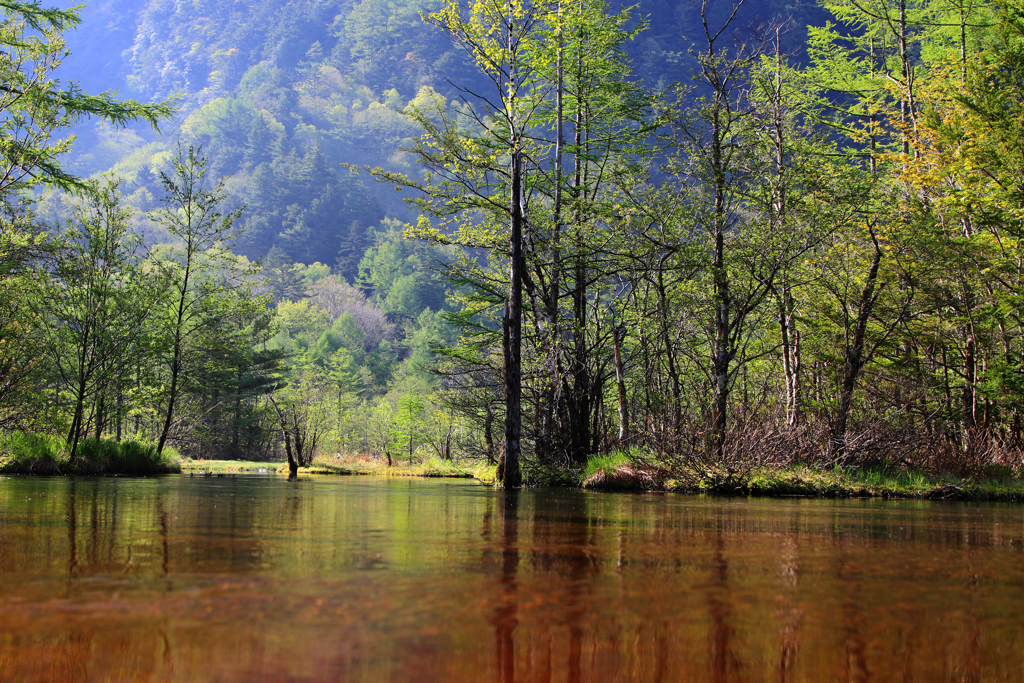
800	481
27	453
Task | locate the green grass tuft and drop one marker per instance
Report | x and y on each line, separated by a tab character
623	470
606	463
28	453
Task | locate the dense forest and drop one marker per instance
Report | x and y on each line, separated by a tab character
721	235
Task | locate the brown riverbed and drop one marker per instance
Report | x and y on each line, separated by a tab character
371	579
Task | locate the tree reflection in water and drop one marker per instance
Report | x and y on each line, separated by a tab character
504	619
364	579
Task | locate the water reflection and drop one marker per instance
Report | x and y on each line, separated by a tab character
504	619
363	579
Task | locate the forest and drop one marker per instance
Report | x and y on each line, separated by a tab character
544	237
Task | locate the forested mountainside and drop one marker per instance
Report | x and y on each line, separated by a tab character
278	93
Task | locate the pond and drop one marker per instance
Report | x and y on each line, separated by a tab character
373	579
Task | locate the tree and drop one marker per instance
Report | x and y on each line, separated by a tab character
233	372
304	415
495	35
410	411
496	178
203	273
717	170
961	194
96	304
380	428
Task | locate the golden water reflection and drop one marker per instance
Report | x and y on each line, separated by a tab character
257	578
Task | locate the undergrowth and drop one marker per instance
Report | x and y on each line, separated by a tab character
32	453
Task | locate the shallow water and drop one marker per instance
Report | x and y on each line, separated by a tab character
359	578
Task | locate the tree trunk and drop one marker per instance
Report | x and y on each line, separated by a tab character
550	392
236	423
723	330
293	465
100	416
790	356
489	435
970	375
511	477
855	359
76	427
172	395
579	393
620	380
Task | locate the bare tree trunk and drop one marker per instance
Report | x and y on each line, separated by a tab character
100	415
620	380
855	359
550	393
488	434
578	394
723	329
779	215
120	411
172	394
790	356
293	465
81	385
970	377
236	427
666	339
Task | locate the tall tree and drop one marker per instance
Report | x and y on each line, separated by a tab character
717	169
96	304
496	35
203	273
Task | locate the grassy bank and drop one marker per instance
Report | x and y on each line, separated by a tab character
343	465
617	472
351	464
229	466
26	453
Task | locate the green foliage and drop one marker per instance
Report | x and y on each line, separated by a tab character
410	410
127	457
402	273
208	284
303	320
97	302
36	107
31	453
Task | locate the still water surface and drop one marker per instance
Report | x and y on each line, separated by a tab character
367	579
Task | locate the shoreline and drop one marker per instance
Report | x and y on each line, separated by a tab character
788	482
808	482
